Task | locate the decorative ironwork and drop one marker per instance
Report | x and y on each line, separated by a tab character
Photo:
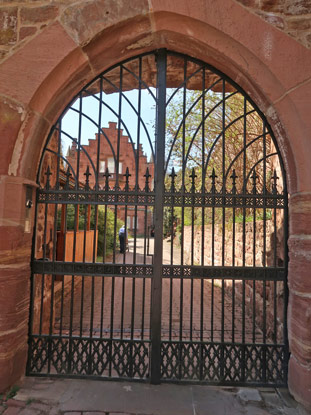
185	210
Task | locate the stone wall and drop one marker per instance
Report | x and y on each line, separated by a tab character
22	20
291	16
258	296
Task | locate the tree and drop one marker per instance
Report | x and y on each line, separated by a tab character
194	131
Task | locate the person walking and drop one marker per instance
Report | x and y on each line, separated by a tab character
122	239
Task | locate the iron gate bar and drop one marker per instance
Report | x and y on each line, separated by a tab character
156	298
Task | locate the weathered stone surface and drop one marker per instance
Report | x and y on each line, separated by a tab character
246	395
299	24
276	6
300	264
299	381
299	323
112	45
297	7
292	16
10	122
87	19
27	31
30	141
300	214
8	26
12	208
38	14
13	336
273	19
61	85
36	59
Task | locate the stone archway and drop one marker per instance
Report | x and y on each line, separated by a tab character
215	36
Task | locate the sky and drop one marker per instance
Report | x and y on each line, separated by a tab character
90	108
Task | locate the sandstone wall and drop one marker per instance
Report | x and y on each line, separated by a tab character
291	16
264	302
22	20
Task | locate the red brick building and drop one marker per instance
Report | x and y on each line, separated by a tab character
127	160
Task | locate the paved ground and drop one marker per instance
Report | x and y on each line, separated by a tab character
43	396
131	306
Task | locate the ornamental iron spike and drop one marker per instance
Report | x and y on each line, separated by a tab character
68	175
127	175
254	180
274	179
87	175
233	177
48	174
147	175
213	177
106	175
173	175
193	176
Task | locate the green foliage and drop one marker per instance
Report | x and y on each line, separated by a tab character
12	392
194	134
106	226
194	140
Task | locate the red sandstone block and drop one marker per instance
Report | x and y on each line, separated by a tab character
299	382
58	88
299	320
104	50
11	115
297	7
35	129
276	6
26	31
8	25
36	59
299	265
29	15
87	19
299	24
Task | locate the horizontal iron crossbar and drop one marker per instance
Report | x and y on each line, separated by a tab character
168	271
95	198
215	272
227	200
91	269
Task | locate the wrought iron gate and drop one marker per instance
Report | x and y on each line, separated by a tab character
160	242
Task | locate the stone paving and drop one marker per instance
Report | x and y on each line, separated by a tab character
44	396
132	318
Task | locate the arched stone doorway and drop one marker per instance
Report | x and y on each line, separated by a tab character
278	82
202	294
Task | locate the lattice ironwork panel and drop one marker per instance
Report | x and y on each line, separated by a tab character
225	364
38	349
276	364
89	357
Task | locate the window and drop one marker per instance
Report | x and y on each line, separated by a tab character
128	222
102	167
111	166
